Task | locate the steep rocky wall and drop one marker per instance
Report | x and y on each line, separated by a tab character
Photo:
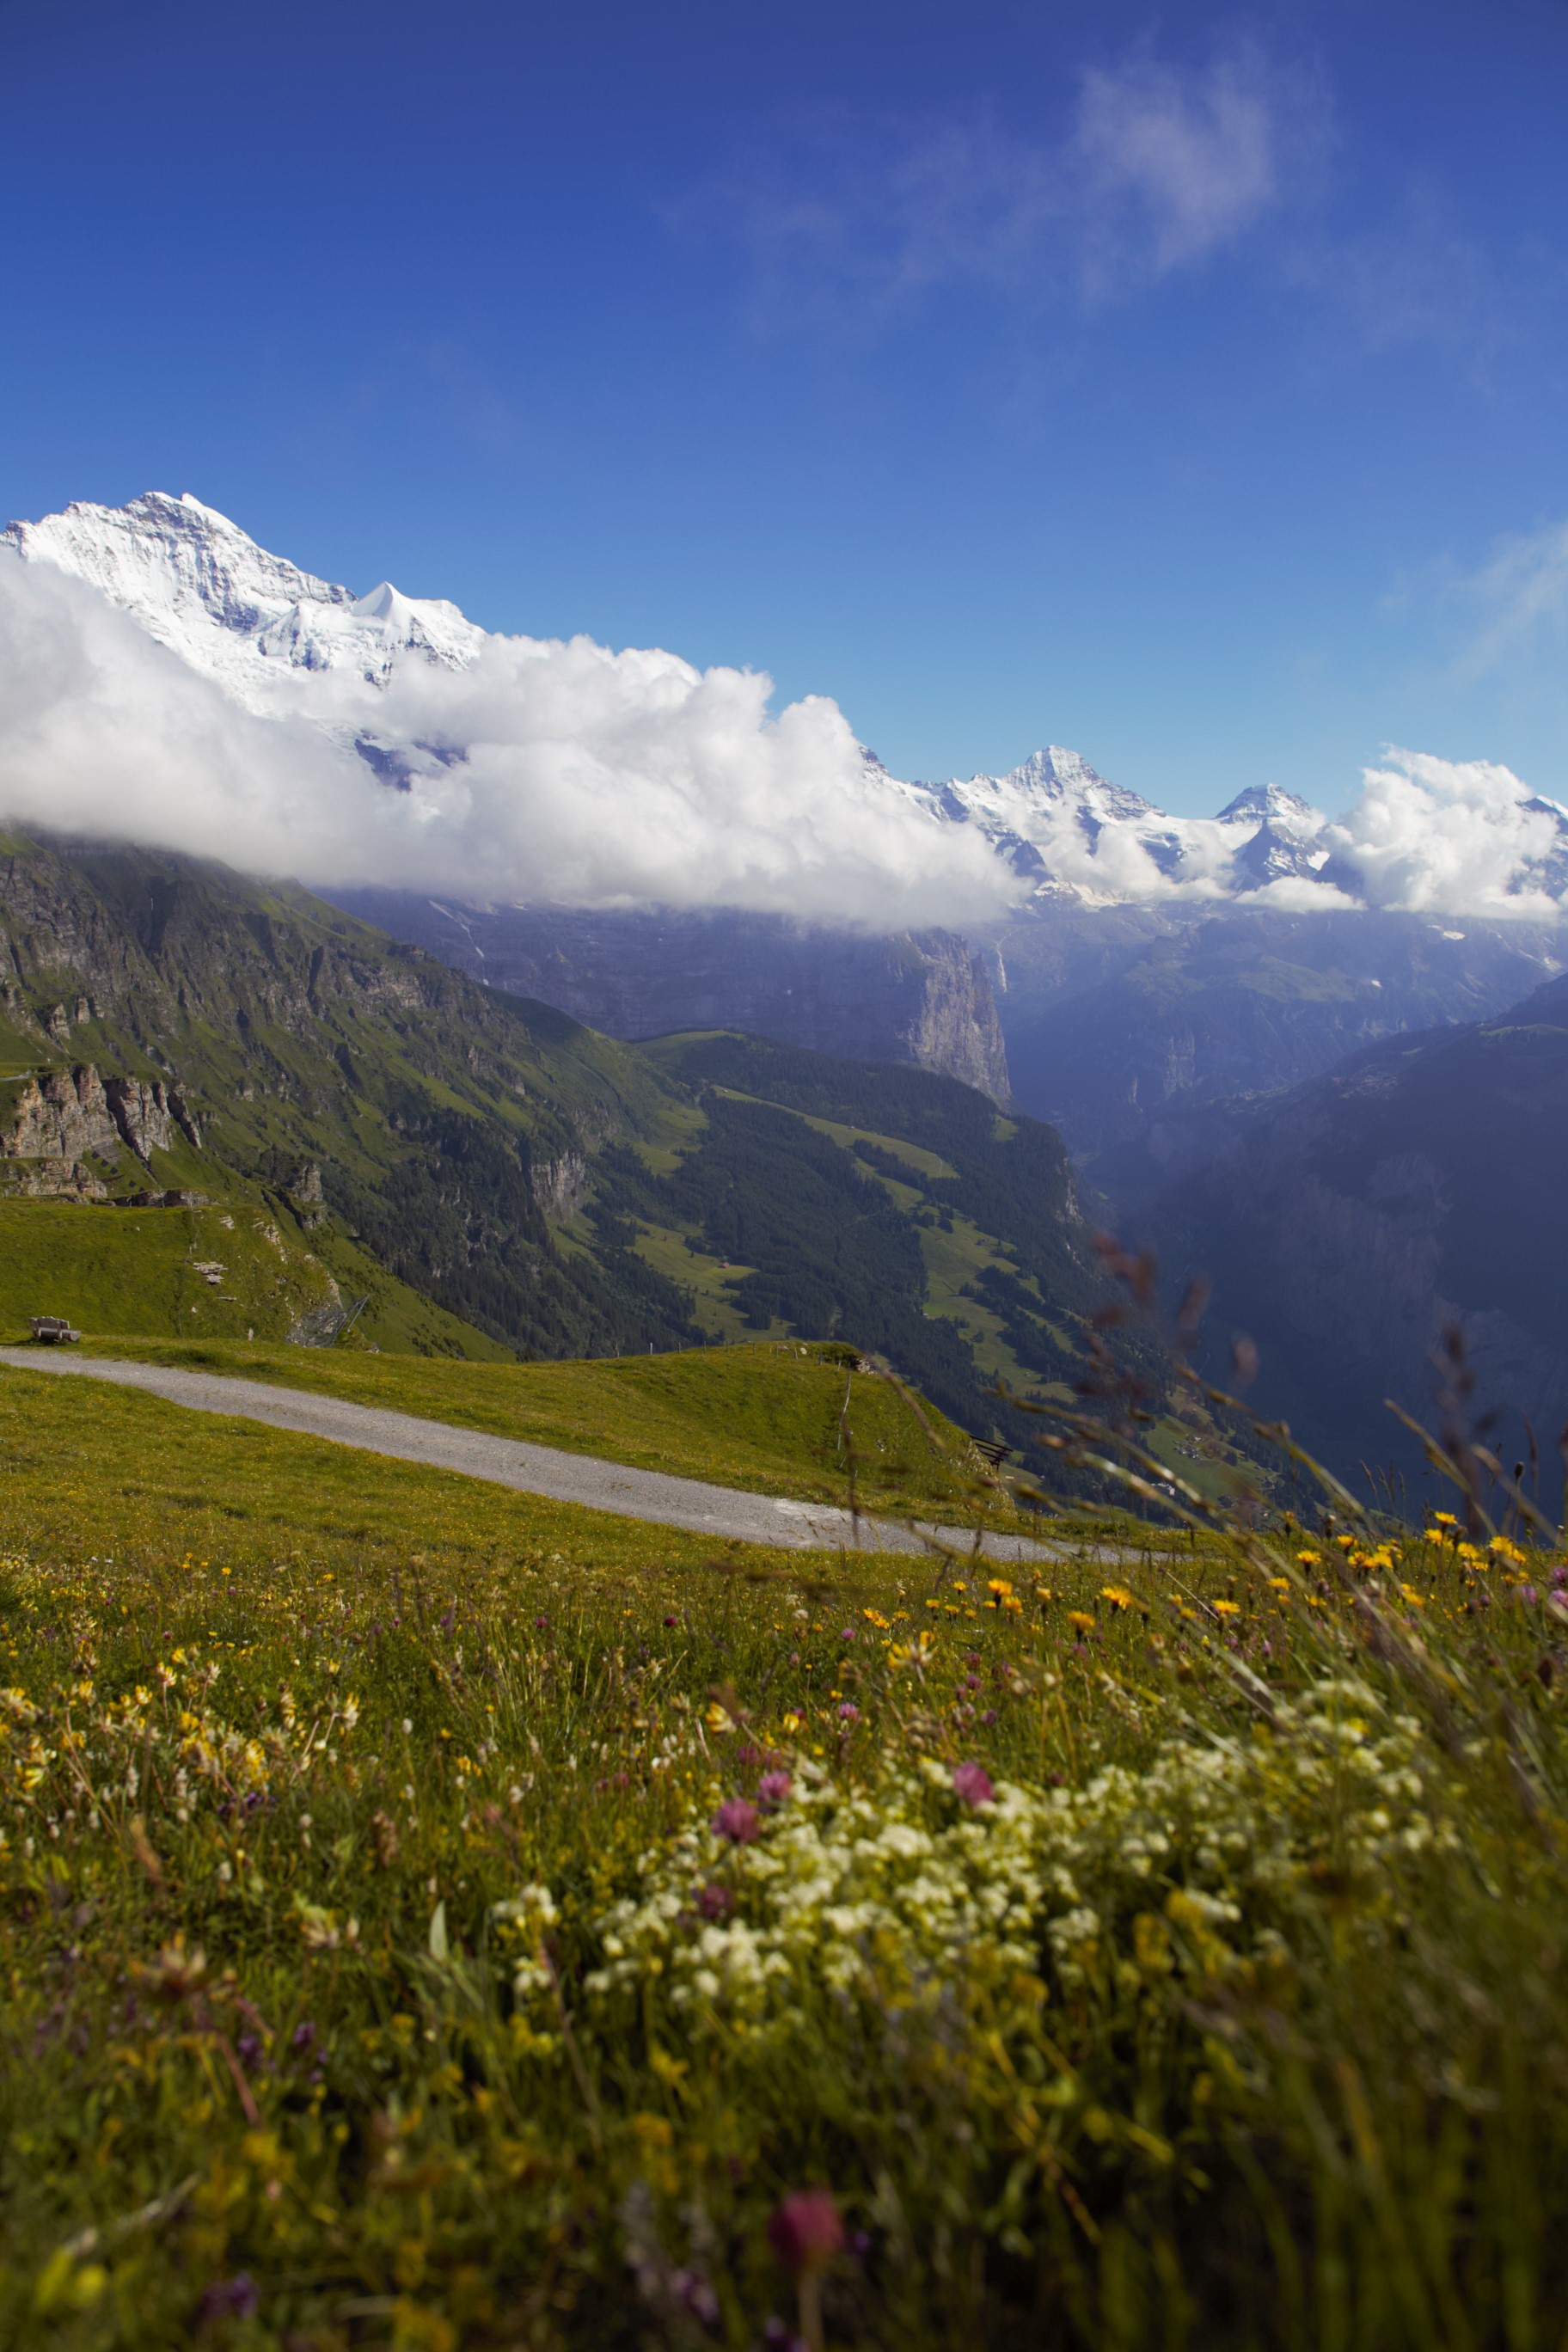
921	997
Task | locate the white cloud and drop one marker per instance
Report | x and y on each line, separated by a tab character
586	776
1449	835
1519	599
1155	168
1196	156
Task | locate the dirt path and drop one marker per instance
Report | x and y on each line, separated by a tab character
727	1512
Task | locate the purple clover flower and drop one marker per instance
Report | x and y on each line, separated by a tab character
971	1784
805	2231
737	1821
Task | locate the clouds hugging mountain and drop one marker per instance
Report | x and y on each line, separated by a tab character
548	1189
165	675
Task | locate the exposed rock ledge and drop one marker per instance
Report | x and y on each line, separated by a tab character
64	1117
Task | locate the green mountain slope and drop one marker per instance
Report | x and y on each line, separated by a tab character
880	1204
335	1116
312	1063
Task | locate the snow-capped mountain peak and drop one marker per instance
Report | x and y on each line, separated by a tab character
203	587
285	644
1271	805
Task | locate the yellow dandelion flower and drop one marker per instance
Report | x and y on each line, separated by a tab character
1226	1607
1082	1618
1117	1594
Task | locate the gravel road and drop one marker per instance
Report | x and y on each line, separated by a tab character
724	1512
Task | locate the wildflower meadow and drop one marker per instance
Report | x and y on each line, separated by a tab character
1166	1947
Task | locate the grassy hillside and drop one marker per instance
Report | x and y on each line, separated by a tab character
778	1418
437	1921
237	1265
447	1124
898	1210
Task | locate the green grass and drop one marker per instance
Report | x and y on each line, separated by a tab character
86	1467
376	1976
675	1253
913	1155
777	1419
118	1270
123	1270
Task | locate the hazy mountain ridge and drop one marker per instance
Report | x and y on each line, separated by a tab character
1417	1186
1144	1034
922	996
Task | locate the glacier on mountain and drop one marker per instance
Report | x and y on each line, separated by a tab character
204	588
561	770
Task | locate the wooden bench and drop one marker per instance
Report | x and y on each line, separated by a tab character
52	1331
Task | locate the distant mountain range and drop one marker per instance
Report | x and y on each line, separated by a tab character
1146	1034
281	642
1416	1188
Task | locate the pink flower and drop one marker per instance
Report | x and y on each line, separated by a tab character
972	1783
805	2231
715	1902
773	1790
849	1712
737	1821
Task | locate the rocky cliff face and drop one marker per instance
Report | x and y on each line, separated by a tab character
55	1122
922	996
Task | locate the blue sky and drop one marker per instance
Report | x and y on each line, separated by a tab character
1186	387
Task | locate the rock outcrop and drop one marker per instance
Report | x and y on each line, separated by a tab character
61	1116
914	996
